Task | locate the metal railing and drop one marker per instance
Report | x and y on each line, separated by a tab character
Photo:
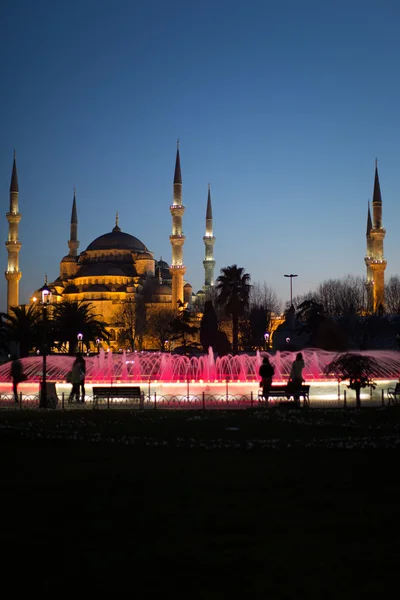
203	401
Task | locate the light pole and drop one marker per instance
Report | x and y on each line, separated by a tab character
266	338
291	289
45	293
80	342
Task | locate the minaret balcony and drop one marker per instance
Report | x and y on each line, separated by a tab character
177	210
13	217
13	245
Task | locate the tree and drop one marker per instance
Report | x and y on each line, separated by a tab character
310	314
160	321
130	318
342	296
23	326
71	318
358	369
263	304
233	290
208	327
182	325
392	295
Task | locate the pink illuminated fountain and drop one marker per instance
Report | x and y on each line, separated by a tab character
137	367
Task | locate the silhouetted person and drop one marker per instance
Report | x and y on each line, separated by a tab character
266	373
17	375
76	377
82	363
296	376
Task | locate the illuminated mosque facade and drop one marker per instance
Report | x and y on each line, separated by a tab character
116	266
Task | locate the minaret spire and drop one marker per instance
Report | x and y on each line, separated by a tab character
209	241
177	239
375	261
13	245
73	243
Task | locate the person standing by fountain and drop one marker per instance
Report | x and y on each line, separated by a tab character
82	363
75	378
296	376
266	373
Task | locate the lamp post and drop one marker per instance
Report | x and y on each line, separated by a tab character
45	293
266	338
291	289
80	342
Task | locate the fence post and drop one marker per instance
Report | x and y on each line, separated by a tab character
155	400
108	401
344	399
251	399
62	401
204	401
383	397
20	400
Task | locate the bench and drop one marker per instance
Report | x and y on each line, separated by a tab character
117	392
393	394
281	391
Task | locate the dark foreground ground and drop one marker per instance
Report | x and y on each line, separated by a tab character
173	520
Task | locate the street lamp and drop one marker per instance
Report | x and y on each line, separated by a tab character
291	289
80	342
266	338
45	296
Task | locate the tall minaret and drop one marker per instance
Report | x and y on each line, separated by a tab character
209	241
69	264
369	284
13	245
73	243
177	239
375	261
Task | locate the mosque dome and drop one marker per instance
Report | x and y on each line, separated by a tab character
117	240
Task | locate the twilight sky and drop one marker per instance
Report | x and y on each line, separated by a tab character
281	105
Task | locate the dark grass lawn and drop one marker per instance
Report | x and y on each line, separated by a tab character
162	522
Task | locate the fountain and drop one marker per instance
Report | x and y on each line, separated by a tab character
140	367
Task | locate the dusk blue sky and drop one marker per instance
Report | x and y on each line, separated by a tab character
282	106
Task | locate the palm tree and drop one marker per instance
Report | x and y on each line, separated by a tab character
358	369
233	290
71	318
22	326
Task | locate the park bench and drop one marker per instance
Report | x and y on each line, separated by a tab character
393	394
117	392
281	391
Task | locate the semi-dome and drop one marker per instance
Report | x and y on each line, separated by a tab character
98	287
71	289
69	258
117	240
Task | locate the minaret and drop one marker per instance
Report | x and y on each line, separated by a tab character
13	245
177	239
73	243
375	261
209	241
369	284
